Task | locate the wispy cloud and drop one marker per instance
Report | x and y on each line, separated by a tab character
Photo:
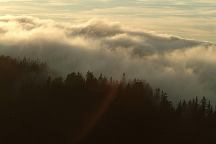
188	18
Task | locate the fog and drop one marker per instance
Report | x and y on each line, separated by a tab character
184	68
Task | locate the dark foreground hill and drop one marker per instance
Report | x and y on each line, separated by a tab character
36	108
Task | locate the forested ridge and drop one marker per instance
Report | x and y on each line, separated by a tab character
37	107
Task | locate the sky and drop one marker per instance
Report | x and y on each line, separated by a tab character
194	19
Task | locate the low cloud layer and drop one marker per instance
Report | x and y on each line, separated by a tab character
184	68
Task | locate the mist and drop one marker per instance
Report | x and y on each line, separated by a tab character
184	68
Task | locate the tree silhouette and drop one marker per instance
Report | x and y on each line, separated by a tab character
36	107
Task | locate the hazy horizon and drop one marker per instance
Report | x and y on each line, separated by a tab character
194	19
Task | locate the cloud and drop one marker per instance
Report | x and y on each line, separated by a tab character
188	18
183	67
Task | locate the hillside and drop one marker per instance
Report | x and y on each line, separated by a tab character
37	108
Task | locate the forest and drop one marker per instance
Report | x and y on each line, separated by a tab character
37	107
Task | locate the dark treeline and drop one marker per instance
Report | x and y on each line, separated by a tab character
38	109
